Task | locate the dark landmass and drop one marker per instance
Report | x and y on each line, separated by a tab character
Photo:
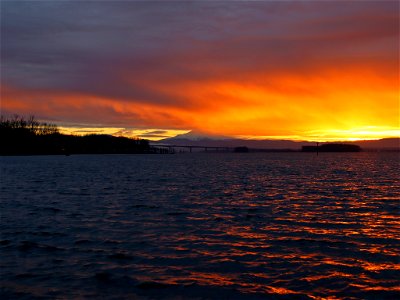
21	136
241	149
332	148
233	143
29	137
386	144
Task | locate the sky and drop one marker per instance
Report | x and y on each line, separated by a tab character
298	70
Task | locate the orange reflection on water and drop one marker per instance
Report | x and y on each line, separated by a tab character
382	288
376	267
267	289
334	262
324	298
204	278
324	276
281	290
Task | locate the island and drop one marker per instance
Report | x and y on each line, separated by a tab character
332	148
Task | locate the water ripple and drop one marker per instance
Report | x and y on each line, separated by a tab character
233	226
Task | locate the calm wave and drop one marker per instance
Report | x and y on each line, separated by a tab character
221	226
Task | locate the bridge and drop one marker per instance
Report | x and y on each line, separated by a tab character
171	148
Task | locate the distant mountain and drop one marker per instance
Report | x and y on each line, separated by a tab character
193	139
195	136
190	139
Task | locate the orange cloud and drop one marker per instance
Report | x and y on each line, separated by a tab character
307	70
350	103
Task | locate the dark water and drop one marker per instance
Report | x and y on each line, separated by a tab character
220	226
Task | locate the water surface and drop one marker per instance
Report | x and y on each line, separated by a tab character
221	226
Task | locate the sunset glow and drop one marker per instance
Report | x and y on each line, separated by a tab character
149	134
277	70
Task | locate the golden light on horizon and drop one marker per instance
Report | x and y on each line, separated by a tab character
152	134
323	106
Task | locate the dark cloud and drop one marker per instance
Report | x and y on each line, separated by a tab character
157	132
154	136
86	131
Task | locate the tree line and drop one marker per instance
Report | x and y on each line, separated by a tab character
30	125
27	136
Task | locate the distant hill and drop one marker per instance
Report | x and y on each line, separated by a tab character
194	139
389	143
201	140
232	143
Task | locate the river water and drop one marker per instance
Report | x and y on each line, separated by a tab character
201	226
